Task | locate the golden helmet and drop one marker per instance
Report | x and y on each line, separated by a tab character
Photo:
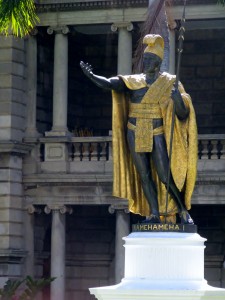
155	44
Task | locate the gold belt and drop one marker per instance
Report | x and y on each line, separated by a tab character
144	114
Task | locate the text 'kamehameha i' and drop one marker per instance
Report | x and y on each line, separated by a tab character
148	227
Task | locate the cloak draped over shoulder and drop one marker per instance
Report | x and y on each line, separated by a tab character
126	181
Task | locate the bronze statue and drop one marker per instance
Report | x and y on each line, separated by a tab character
142	108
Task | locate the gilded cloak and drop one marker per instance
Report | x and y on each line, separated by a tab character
126	181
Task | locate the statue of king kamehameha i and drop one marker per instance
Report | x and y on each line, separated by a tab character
142	116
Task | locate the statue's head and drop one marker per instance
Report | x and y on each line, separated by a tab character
153	53
155	44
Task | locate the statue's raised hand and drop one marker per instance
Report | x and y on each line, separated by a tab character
87	69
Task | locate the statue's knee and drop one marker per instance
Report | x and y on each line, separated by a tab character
145	177
163	178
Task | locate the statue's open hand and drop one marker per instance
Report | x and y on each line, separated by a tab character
87	69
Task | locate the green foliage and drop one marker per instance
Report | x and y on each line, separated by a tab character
9	289
19	16
31	288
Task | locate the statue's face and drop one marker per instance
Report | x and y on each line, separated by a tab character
151	62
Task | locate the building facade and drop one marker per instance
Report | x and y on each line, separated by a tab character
57	214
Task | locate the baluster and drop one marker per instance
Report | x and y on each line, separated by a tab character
76	152
209	148
200	148
214	151
109	152
71	150
204	151
101	151
222	148
93	151
85	151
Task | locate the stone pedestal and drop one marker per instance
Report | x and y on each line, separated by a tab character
162	265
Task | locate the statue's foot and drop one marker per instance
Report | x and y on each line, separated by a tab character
186	218
152	219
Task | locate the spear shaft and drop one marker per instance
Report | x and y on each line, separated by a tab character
180	50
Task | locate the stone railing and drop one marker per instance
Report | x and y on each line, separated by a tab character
211	146
76	148
93	155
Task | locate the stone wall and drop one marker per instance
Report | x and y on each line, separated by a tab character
12	126
203	75
12	86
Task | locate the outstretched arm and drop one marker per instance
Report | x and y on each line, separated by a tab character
113	83
181	110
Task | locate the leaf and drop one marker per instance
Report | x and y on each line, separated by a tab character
19	16
9	289
34	286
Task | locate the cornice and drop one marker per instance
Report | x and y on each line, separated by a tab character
49	6
15	147
68	5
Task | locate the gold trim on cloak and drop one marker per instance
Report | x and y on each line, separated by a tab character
126	181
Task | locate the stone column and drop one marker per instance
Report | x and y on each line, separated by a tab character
60	82
122	230
124	62
29	239
31	130
58	250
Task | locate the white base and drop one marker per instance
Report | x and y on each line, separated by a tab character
162	266
137	291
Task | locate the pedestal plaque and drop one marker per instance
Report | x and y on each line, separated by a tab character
162	265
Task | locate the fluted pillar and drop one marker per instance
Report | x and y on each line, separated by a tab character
124	62
60	82
31	129
58	250
122	230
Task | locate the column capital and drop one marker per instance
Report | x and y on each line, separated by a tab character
60	29
128	25
118	207
31	209
61	208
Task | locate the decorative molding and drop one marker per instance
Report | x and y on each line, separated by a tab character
31	209
61	208
60	29
121	207
12	256
128	25
47	6
15	147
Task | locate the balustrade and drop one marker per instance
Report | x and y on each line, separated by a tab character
211	146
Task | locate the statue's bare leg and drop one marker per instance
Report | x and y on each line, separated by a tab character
161	162
142	164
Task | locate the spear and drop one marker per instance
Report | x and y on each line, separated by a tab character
180	50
